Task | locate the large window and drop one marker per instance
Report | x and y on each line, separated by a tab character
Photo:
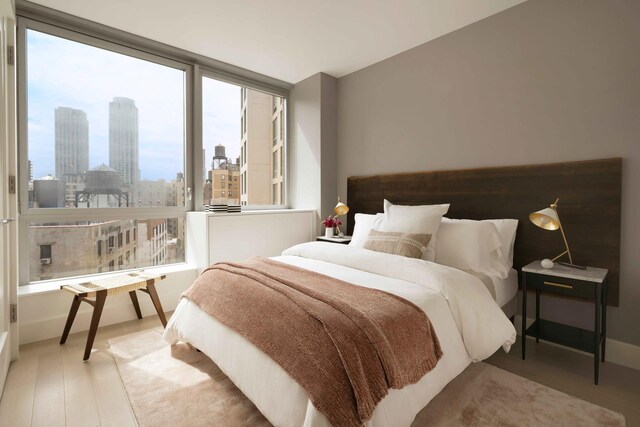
104	129
109	153
255	157
105	149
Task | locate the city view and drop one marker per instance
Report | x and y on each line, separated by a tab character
112	141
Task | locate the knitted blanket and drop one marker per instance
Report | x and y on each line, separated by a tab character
346	345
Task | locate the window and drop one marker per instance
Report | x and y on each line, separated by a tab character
108	125
281	125
246	159
105	132
281	162
45	252
274	162
274	131
105	129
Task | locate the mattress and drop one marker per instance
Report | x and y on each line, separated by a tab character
502	290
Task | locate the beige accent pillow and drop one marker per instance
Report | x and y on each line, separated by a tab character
405	244
422	219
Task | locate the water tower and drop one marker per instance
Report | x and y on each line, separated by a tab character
220	157
103	189
49	192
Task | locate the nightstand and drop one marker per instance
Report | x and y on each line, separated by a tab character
344	240
590	284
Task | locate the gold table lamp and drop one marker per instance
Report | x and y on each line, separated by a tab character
339	210
548	219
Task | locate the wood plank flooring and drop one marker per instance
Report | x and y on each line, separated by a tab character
51	386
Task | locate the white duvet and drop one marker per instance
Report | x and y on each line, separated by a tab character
468	323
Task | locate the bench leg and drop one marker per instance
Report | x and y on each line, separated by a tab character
156	303
101	297
72	315
134	300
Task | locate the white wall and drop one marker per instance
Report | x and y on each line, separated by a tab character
313	145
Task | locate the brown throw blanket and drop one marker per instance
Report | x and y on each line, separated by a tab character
346	345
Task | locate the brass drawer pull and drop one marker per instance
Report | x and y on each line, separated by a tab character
558	285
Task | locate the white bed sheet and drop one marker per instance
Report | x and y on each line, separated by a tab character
502	290
284	402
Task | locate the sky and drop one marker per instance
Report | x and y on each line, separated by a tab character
63	73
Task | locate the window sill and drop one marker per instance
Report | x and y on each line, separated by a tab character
54	285
255	211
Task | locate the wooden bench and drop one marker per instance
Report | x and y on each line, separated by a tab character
101	288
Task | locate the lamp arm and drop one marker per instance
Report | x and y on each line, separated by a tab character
566	244
559	256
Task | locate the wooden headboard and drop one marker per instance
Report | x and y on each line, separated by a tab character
589	207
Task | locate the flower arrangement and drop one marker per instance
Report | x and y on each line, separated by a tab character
331	222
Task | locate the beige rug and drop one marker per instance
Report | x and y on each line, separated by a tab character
178	386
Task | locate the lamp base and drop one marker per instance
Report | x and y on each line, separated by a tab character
568	264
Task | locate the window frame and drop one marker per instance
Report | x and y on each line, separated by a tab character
195	67
28	215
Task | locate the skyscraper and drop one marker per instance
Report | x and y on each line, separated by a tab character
72	142
123	141
261	148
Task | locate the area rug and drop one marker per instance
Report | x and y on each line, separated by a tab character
178	386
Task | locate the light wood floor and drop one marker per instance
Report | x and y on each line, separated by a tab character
50	385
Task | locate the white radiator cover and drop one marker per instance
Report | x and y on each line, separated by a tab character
214	237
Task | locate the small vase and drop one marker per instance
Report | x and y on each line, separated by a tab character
328	232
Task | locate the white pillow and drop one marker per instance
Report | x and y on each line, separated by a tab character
507	229
423	219
361	228
471	245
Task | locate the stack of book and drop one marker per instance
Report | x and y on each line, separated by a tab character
215	208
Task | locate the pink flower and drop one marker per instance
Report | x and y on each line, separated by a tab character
331	222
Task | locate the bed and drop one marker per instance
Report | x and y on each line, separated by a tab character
469	310
467	321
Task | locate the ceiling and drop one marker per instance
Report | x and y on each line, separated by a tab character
287	39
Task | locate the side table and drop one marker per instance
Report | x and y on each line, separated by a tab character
589	284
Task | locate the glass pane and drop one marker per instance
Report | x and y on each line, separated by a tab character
104	129
66	249
242	142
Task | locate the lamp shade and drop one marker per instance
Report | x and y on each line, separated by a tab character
546	218
341	209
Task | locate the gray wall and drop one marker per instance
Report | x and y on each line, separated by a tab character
312	145
545	81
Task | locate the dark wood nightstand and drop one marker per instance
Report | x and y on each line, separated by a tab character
590	284
344	240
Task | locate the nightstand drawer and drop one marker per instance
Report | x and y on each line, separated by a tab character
560	285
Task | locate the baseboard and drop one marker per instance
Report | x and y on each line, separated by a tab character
618	352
